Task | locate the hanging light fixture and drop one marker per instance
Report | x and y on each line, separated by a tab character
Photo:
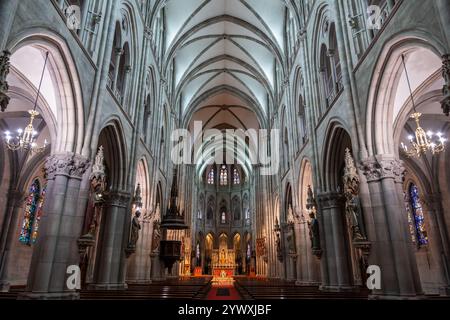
422	141
26	138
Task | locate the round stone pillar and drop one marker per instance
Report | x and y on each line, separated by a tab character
61	224
391	245
110	266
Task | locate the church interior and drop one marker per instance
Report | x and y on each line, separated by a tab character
224	149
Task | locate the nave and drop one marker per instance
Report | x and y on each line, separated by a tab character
202	289
119	179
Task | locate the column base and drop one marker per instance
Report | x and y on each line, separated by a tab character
306	283
444	291
49	296
107	286
339	288
373	296
4	286
158	279
139	281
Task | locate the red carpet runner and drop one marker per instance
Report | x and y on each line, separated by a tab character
223	292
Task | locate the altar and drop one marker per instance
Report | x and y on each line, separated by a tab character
223	265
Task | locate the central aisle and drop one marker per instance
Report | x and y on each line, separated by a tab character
225	291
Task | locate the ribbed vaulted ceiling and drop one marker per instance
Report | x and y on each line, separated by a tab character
225	58
224	53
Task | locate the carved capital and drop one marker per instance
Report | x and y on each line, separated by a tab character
376	170
148	33
330	200
118	199
70	165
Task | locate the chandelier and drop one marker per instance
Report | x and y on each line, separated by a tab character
422	141
25	139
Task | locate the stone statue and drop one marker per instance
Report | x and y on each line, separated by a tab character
445	103
313	226
156	235
158	212
98	177
4	71
291	240
98	188
278	245
135	227
313	223
351	193
290	215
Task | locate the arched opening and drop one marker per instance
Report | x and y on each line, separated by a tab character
309	263
238	253
138	269
336	219
390	129
209	246
59	123
326	76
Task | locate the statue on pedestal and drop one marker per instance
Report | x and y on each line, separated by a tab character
313	223
135	227
351	193
290	216
291	240
156	236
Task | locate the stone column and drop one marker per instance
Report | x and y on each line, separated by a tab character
439	242
125	94
307	264
138	270
118	53
60	228
114	229
391	245
331	56
335	252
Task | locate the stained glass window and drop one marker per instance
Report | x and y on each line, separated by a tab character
31	209
197	251
38	216
417	215
223	176
199	214
236	177
211	176
412	231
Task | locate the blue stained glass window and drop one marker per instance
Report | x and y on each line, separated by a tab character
417	215
38	215
31	208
